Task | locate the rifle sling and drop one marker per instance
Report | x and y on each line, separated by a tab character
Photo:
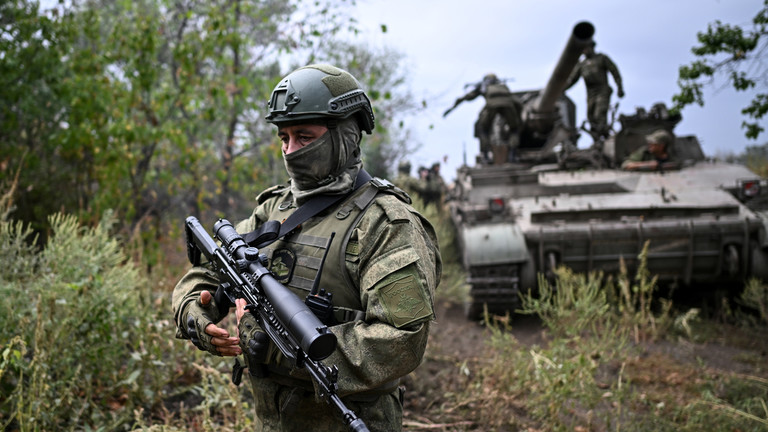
269	233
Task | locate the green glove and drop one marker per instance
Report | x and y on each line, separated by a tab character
199	315
255	345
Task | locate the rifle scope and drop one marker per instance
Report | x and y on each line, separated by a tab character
311	334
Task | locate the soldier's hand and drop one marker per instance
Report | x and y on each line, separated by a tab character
621	93
204	333
254	341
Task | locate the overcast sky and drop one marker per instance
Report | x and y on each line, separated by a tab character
450	43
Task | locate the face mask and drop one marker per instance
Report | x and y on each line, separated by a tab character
323	163
311	166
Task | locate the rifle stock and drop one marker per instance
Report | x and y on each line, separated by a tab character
288	322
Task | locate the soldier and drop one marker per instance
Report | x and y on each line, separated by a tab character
655	154
436	188
382	267
404	179
594	69
498	100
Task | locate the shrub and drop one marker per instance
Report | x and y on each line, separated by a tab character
71	327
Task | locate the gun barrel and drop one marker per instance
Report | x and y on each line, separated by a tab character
581	37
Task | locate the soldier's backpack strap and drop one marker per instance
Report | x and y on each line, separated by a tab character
271	231
364	199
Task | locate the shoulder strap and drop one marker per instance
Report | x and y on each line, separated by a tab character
268	233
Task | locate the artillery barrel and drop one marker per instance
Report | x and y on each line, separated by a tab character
580	38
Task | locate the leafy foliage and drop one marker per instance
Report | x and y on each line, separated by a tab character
756	159
154	108
735	54
755	296
68	314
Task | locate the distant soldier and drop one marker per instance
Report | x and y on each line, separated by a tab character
594	69
652	156
436	187
404	180
429	187
422	185
498	100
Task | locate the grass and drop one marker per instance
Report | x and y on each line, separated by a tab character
610	361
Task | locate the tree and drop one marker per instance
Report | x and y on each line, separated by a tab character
154	108
382	75
144	106
31	77
756	159
738	55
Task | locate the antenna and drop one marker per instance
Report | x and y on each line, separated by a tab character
321	303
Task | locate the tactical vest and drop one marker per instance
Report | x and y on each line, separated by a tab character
295	259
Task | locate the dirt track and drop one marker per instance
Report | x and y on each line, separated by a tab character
456	345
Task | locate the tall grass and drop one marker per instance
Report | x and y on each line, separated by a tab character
755	296
593	370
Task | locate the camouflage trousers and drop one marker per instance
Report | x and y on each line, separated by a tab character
287	408
598	102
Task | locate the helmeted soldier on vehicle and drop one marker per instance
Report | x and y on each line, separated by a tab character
382	267
656	154
498	100
595	69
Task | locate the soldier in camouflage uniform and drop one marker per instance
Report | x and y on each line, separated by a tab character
405	180
594	69
382	267
654	155
433	186
498	100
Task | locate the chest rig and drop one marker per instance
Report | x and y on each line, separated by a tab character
313	257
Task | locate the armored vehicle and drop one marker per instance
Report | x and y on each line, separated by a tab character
554	204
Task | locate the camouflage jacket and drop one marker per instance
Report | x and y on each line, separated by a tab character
595	72
390	259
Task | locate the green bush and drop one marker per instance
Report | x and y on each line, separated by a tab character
73	333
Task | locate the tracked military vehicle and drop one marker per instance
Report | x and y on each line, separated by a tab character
554	204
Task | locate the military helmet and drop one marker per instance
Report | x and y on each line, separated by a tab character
404	167
660	136
319	92
490	78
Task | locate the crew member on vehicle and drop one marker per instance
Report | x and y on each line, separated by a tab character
653	155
